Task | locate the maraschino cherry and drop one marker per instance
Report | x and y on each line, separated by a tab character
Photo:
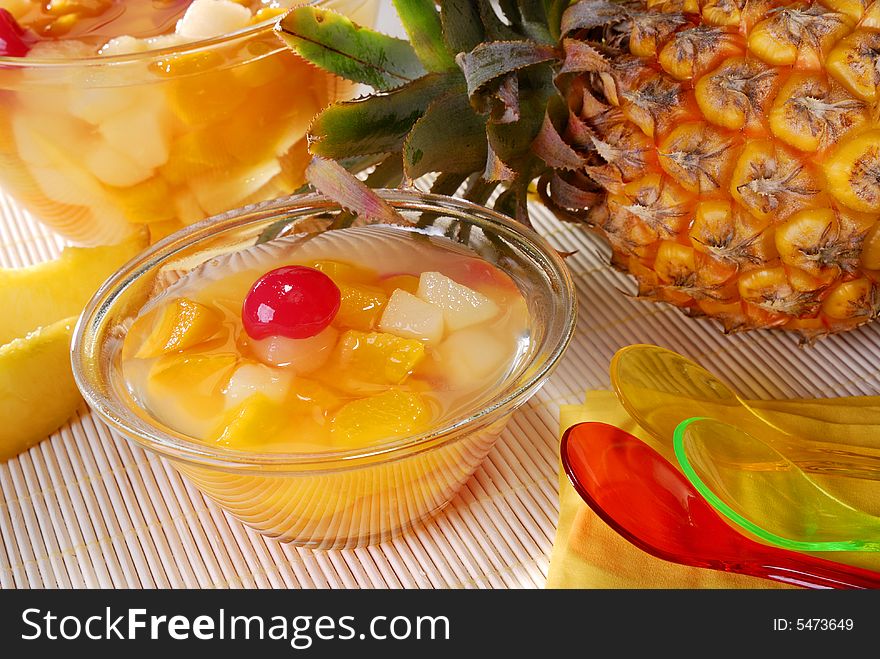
12	43
293	301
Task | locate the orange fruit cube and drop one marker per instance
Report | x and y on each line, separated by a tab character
391	414
360	306
176	326
377	357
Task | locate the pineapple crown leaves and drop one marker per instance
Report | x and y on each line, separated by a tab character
473	94
337	183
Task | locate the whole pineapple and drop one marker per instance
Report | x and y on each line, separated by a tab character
729	150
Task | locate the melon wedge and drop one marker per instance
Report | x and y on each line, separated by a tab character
38	295
37	390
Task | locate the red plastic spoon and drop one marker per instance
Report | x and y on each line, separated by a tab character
650	503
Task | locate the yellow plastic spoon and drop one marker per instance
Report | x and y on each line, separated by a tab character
761	491
660	389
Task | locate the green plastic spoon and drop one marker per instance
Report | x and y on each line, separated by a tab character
660	389
760	490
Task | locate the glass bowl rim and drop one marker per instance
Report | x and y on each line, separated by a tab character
198	45
152	436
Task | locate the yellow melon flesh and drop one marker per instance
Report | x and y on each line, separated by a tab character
37	390
46	292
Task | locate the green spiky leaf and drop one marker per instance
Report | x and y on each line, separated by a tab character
590	14
494	59
553	11
379	123
387	174
494	27
533	19
335	182
462	25
497	169
447	183
511	142
336	44
553	150
450	137
581	57
422	24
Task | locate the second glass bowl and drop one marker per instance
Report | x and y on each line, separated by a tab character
94	146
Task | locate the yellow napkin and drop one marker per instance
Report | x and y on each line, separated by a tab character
587	553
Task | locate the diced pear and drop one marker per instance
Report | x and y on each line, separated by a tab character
471	355
53	146
462	306
253	378
97	104
302	355
123	45
114	167
142	133
211	18
35	99
411	317
164	41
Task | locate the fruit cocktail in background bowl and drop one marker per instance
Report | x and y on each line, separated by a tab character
328	380
119	113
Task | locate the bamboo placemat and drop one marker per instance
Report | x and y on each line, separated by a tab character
85	508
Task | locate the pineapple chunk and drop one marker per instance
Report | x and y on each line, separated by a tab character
37	391
179	325
472	354
251	379
302	355
377	357
46	292
389	415
411	317
461	306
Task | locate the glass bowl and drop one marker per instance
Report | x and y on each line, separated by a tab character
332	499
96	146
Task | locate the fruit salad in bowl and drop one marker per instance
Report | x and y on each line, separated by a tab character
122	114
335	381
